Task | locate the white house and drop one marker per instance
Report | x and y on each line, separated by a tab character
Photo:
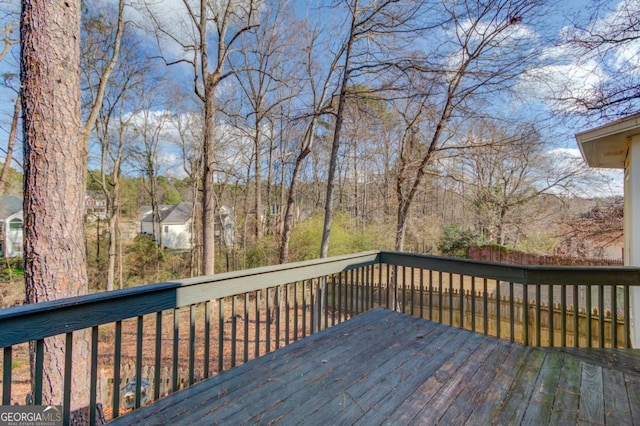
617	145
175	222
11	220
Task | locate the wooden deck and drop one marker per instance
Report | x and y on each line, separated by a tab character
383	367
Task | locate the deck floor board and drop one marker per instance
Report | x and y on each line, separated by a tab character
384	367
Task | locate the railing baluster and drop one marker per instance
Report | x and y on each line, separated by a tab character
589	318
473	303
207	337
304	308
450	299
245	348
430	295
93	381
221	335
287	314
192	343
388	283
312	304
6	375
601	315
538	315
462	304
372	287
550	303
576	317
117	356
563	316
295	310
614	316
525	304
68	359
257	327
176	350
421	293
234	330
412	291
37	398
268	320
276	301
353	293
158	357
440	297
378	267
139	335
511	311
485	305
627	320
404	289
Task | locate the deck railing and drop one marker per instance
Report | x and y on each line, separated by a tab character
153	340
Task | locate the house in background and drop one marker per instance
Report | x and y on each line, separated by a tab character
175	222
95	206
11	220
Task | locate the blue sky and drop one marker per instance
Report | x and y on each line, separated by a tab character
559	133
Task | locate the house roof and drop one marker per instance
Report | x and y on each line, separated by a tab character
607	146
172	214
9	205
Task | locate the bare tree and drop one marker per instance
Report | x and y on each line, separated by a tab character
482	54
147	130
505	170
213	30
605	40
7	34
101	37
263	80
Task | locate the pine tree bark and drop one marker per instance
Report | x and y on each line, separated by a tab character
54	178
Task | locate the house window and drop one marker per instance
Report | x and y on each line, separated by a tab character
15	225
166	229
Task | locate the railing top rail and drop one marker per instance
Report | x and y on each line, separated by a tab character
36	321
523	274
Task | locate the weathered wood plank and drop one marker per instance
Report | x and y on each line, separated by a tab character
307	391
437	371
333	393
541	403
494	394
399	382
472	392
633	391
591	395
616	401
218	387
567	401
514	406
623	360
441	402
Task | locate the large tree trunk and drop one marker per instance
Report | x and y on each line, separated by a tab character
54	178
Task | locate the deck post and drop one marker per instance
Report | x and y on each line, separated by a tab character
632	228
